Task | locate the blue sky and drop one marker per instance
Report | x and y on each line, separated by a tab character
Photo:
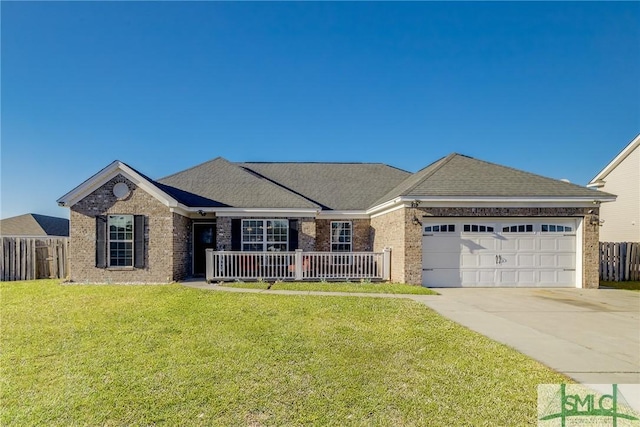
548	87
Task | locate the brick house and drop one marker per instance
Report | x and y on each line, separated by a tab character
458	222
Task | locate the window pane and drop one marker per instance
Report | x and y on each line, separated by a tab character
340	236
120	240
452	228
567	228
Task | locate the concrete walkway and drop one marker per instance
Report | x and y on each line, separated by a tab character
590	335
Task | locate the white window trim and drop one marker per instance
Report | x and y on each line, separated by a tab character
132	241
350	243
264	241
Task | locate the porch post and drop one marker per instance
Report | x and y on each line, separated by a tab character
298	264
386	264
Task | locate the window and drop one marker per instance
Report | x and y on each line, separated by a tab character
521	228
446	228
475	228
120	240
554	228
341	237
259	235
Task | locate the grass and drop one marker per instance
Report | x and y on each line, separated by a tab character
348	287
631	285
114	355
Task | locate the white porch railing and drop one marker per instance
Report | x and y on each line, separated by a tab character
298	265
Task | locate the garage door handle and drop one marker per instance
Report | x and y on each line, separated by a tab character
569	269
427	269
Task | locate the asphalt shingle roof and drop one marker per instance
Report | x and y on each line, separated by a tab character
461	176
219	182
353	186
335	186
34	225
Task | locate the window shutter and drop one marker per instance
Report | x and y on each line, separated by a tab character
293	234
236	234
138	241
101	241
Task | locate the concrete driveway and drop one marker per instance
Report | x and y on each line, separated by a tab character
591	335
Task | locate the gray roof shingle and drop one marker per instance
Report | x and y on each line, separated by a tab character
461	176
222	183
34	225
334	186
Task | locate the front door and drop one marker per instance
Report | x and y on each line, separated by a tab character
204	237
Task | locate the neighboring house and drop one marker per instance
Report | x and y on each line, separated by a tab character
457	222
622	178
34	225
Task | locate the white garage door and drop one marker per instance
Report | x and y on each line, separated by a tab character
525	252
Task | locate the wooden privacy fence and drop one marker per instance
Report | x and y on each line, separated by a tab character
28	258
619	261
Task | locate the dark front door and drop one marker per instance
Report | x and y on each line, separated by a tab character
204	237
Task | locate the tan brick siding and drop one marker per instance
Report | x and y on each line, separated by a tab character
306	232
162	230
388	231
361	234
396	230
182	247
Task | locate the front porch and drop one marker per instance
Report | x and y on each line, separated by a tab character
297	265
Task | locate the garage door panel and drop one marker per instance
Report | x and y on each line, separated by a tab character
446	278
478	260
520	277
520	243
530	258
478	277
558	243
557	260
436	244
526	260
477	245
441	260
557	277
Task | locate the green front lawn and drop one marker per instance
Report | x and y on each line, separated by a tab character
632	286
171	355
349	287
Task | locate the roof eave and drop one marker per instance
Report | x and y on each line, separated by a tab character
109	172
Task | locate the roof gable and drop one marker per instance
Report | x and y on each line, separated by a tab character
114	169
460	176
597	180
231	185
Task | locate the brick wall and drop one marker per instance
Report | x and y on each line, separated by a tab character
591	252
306	232
388	231
163	230
361	235
396	230
182	247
